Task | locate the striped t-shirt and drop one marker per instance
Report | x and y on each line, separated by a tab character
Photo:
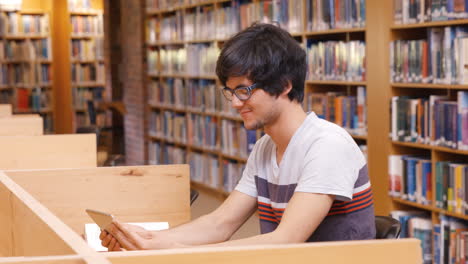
321	157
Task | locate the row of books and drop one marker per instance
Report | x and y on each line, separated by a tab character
444	242
411	179
87	49
326	14
87	25
163	4
33	100
48	123
420	11
79	5
232	172
441	58
168	125
192	129
152	61
336	60
197	95
29	49
286	13
196	59
201	59
204	169
88	72
83	119
25	74
202	131
13	23
6	96
81	95
170	154
433	120
236	140
347	111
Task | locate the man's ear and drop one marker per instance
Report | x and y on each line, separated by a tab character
287	89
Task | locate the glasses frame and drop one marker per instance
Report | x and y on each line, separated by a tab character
233	92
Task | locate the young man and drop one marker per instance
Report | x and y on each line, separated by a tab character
306	177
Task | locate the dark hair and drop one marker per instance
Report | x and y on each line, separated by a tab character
267	55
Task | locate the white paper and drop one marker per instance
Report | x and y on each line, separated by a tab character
92	232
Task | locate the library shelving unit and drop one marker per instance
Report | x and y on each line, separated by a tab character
427	92
26	61
87	60
188	120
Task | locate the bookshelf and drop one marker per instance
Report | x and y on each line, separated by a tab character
26	61
177	32
427	93
87	60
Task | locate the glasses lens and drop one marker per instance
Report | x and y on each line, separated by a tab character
227	93
243	93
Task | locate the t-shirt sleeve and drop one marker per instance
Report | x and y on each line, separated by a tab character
247	182
331	166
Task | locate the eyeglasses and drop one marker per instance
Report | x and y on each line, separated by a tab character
242	93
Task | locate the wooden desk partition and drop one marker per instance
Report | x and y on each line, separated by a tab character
21	125
401	251
43	216
5	110
48	152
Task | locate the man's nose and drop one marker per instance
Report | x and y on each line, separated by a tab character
236	103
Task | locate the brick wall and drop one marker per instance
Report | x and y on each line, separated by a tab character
130	75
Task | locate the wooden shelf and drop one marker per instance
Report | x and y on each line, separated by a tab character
31	86
85	36
431	24
42	61
336	83
430	86
85	13
231	157
87	61
217	192
31	111
31	12
204	150
24	36
360	137
334	31
430	147
430	208
88	84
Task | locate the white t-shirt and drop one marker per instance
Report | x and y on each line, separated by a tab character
321	157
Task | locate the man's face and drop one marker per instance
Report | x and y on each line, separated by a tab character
259	110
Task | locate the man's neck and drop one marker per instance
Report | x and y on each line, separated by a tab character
287	124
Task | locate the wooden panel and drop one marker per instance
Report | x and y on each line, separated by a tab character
132	194
378	96
35	231
46	152
60	31
43	260
5	110
6	236
400	251
22	232
17	125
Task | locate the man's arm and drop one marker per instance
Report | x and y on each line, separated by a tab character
215	227
304	213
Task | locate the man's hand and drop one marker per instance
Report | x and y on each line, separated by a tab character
108	241
129	237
